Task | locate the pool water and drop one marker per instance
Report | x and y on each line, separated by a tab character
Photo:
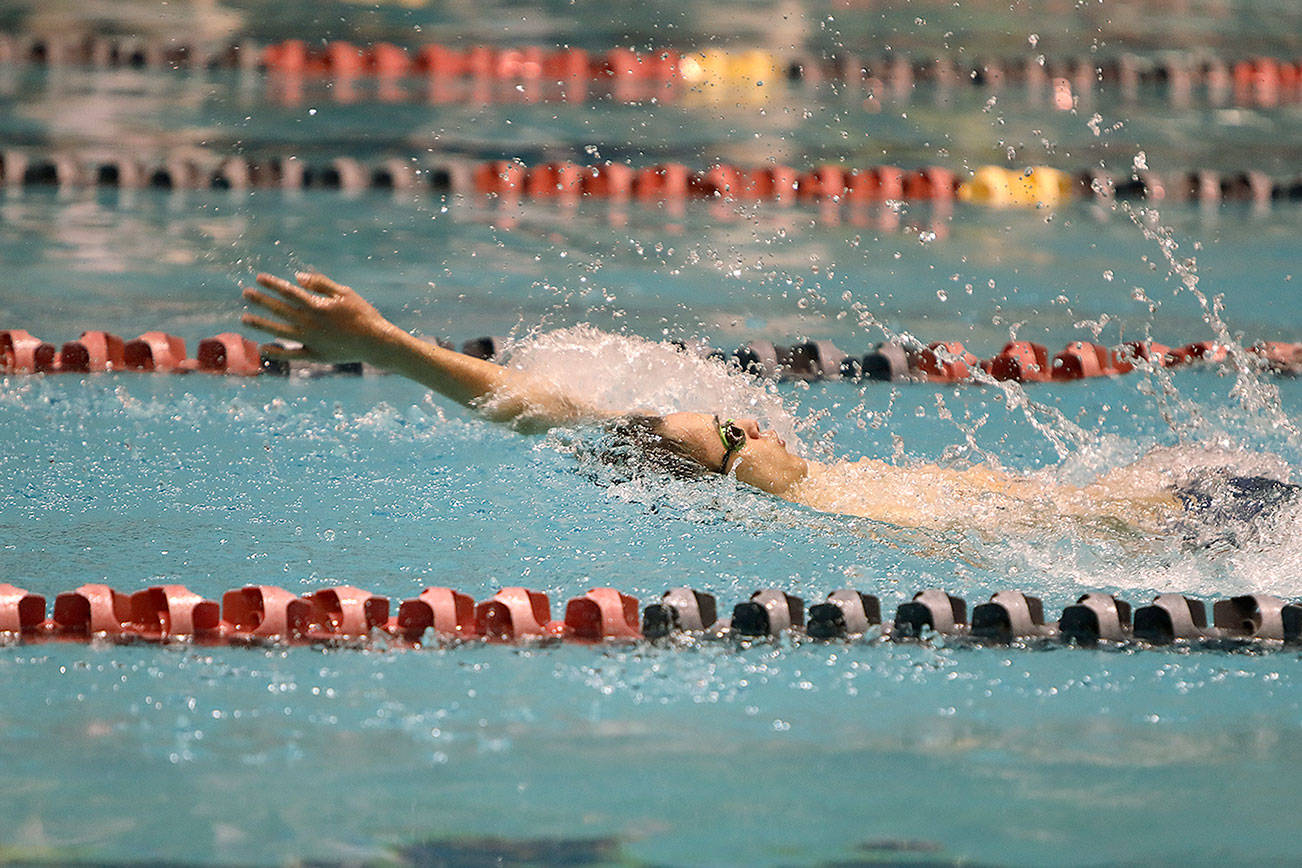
772	754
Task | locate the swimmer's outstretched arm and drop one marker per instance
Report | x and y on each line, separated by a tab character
335	324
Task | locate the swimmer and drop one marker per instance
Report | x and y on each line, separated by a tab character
333	323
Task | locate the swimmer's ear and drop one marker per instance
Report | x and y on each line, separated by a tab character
318	282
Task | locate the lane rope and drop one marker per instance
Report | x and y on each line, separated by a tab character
507	181
941	362
551	73
352	617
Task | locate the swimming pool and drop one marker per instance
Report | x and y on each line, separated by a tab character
772	754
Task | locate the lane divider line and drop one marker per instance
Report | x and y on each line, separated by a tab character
348	616
941	362
557	73
506	181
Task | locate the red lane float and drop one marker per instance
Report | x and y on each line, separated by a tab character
20	611
723	182
93	352
1199	351
662	182
627	65
609	181
1022	361
1125	357
265	613
46	359
560	179
438	61
344	60
387	60
771	183
877	184
345	612
450	614
933	182
568	65
154	351
823	182
514	614
229	353
289	58
90	610
600	614
167	612
519	63
1081	360
500	177
18	352
944	362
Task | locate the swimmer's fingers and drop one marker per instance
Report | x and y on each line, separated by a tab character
279	329
275	305
318	282
288	291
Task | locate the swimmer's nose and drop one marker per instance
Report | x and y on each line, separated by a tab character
754	432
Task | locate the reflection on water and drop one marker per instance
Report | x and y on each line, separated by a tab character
151	114
1067	26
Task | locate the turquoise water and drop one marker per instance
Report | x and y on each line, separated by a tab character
782	754
773	755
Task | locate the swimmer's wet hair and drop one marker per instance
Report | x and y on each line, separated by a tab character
636	442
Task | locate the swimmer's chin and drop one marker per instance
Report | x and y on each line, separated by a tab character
775	471
789	479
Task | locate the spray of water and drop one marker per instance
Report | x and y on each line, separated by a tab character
622	373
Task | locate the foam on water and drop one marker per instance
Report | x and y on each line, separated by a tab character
623	373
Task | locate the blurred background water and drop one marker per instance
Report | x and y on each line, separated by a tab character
770	755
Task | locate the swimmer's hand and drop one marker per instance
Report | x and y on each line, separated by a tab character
331	321
335	324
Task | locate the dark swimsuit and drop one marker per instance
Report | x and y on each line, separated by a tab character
1237	499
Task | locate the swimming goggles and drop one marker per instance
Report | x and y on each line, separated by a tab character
733	438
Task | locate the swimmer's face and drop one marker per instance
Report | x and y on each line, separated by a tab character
762	461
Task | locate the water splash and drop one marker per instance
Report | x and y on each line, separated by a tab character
622	373
1258	398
